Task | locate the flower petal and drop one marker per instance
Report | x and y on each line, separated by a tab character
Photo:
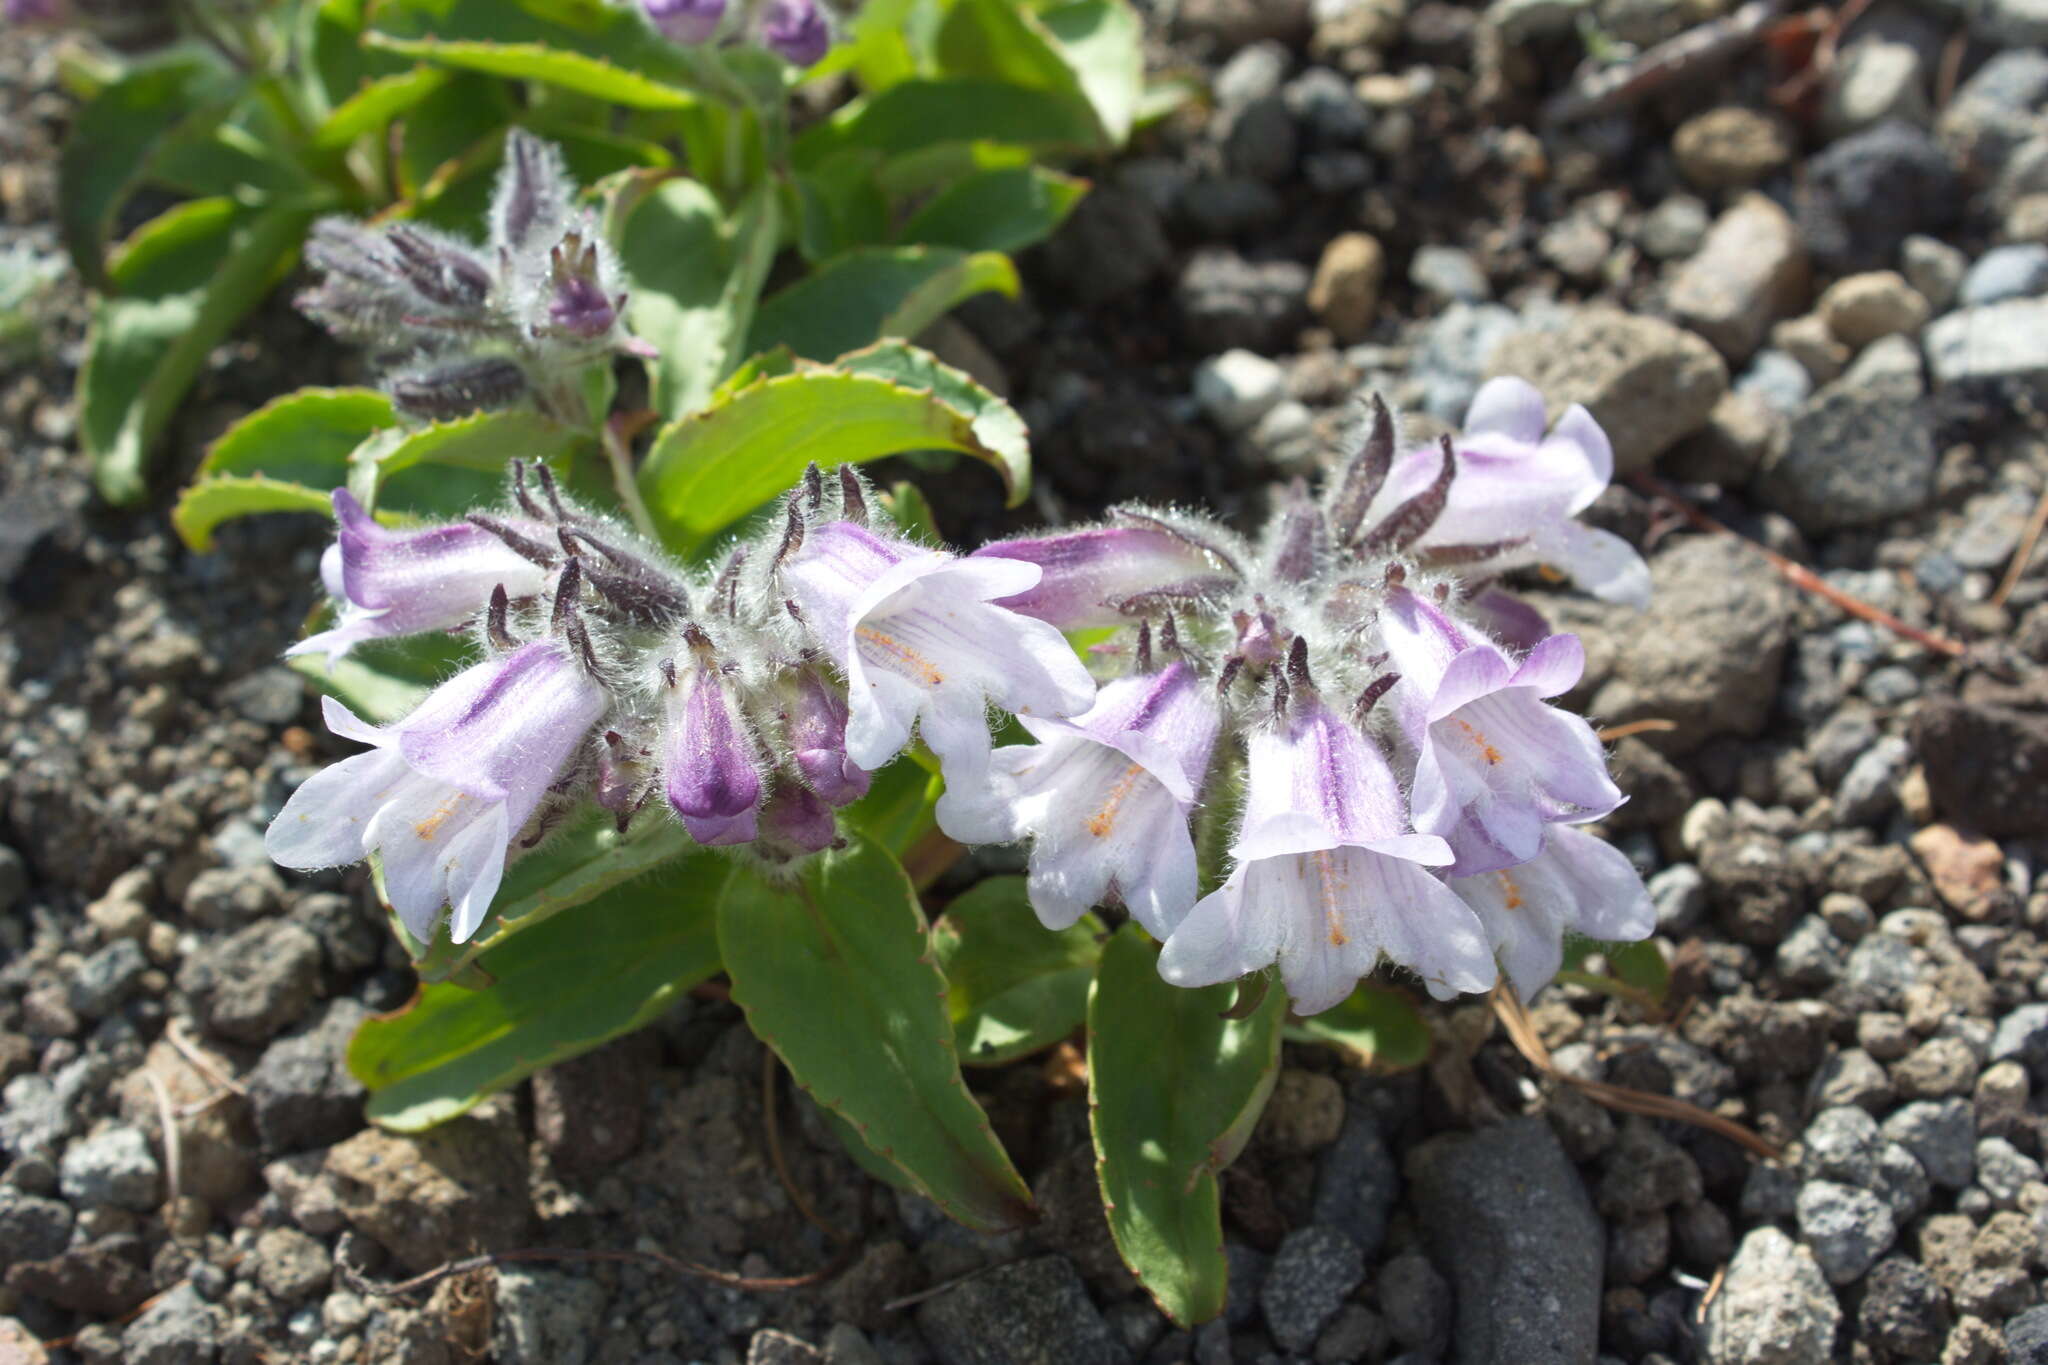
1512	407
324	821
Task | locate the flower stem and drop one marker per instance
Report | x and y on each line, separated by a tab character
623	480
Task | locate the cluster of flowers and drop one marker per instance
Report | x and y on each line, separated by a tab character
795	30
462	327
1407	793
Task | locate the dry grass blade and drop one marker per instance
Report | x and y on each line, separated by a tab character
1514	1017
2023	554
1652	726
167	1117
362	1284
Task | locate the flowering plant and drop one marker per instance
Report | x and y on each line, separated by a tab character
1321	754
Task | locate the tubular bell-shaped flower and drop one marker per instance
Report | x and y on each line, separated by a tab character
404	582
1105	799
814	716
1516	492
921	642
1091	576
1576	883
1493	764
1328	877
444	792
709	767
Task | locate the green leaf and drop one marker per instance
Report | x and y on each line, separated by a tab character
304	436
185	280
1633	969
712	468
113	138
1103	43
1012	985
449	467
835	972
557	990
911	511
587	75
997	425
1375	1026
840	204
382	680
696	279
448	138
1175	1089
208	503
376	104
999	210
870	293
897	811
924	113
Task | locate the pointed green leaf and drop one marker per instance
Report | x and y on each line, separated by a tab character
1013	986
1003	41
449	467
924	113
870	293
586	75
376	104
834	970
708	470
1175	1088
208	503
999	210
1375	1026
556	991
305	436
185	279
1103	44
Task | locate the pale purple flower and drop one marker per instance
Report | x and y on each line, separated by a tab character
444	792
685	21
1577	883
1328	877
1090	575
1518	489
710	769
796	31
578	305
814	729
918	636
1493	764
1105	799
405	582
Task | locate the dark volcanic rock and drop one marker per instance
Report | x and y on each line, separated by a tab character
1987	764
1866	193
1031	1311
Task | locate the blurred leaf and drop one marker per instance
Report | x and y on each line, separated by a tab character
538	62
1175	1089
209	502
451	135
696	279
1638	969
382	680
1012	985
897	811
1003	41
911	511
557	990
330	54
370	109
708	470
924	113
840	204
1376	1026
1000	210
835	973
184	280
114	136
870	293
305	436
1103	44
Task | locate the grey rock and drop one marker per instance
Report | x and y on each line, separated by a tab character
2007	272
230	897
1649	384
32	1121
1851	1077
1262	143
292	1266
2003	1170
1110	246
1749	272
1247	1267
1874	80
1891	365
2026	1337
1356	1333
1357	1183
1680	894
255	983
1775	1307
1903	1310
1646	1173
1869	790
1777	380
269	696
1934	268
1865	193
1993	525
104	981
1253	73
1313	1272
1520	20
546	1317
1224	207
178	1329
1996	111
1768	1193
2006	340
1902	1183
114	1166
2023	23
1881	969
768	1346
13	878
1637	1248
1237	388
1842	1144
1941	1135
350	940
1833	748
1028	1311
1811	956
1416	1302
32	1228
2022	1036
1227	301
1675	228
1847	1228
1449	273
1505	1214
1454	353
1857	456
1328	109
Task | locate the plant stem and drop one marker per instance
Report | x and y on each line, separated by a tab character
622	478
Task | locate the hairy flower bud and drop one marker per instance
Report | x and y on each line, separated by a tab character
709	769
577	304
685	21
796	31
814	729
459	388
1094	577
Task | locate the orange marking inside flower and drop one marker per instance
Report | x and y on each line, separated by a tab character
1511	895
1328	888
429	827
1492	754
1104	820
890	645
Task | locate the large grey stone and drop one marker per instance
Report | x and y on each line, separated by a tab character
1022	1314
1509	1221
1750	272
2006	340
1858	455
546	1317
1774	1308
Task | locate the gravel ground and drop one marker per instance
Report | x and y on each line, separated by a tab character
1825	320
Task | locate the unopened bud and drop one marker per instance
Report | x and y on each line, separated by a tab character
796	31
685	21
460	388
